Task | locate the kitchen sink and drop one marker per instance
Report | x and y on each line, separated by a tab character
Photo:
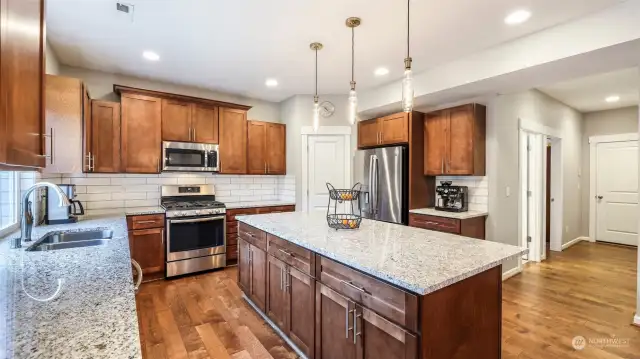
62	240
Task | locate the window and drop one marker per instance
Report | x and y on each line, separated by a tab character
9	190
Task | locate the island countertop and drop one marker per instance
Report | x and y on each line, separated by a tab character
417	260
94	315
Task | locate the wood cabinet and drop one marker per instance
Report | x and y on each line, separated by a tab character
266	153
184	121
300	295
141	133
380	338
66	109
455	141
233	141
388	130
104	138
276	292
469	227
22	41
334	325
146	244
253	272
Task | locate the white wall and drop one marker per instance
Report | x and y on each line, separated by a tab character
610	122
502	160
296	113
100	86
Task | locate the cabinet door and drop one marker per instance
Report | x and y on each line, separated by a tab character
276	149
301	310
276	292
147	248
64	103
176	121
257	147
435	144
379	338
141	133
259	277
105	147
368	133
244	266
334	325
460	148
204	121
233	141
394	129
22	83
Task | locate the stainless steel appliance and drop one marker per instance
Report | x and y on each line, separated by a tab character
196	229
451	198
190	157
386	188
55	214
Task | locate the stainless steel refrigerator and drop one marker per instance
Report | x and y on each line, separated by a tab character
386	184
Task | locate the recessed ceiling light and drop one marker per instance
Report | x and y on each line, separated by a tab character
151	56
517	17
612	99
381	71
271	83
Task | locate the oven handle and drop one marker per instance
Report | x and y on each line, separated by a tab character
196	220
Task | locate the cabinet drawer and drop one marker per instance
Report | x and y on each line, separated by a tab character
232	213
292	254
252	235
146	221
449	225
388	301
232	252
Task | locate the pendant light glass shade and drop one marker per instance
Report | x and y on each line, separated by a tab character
407	91
353	107
316	116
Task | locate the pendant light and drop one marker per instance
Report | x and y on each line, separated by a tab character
315	46
352	23
407	82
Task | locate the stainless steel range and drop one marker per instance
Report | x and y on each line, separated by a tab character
196	229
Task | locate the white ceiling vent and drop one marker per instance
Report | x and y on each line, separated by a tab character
125	10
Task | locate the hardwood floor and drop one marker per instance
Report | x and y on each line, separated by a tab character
587	290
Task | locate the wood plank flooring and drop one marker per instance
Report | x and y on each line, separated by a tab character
587	290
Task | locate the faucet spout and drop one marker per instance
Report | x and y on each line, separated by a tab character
26	225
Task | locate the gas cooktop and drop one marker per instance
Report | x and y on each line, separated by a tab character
190	201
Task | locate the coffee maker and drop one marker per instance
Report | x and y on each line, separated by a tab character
452	198
66	214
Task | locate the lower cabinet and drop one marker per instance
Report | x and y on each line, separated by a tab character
470	227
252	272
146	244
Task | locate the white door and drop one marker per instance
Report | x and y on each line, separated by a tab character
617	192
326	159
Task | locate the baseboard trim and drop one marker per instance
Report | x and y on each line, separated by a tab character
573	242
511	272
636	320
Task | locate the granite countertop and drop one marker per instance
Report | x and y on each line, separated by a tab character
415	259
140	211
456	215
94	314
235	205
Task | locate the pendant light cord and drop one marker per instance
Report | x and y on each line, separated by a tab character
408	24
353	53
316	73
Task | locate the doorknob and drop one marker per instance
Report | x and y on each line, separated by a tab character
599	197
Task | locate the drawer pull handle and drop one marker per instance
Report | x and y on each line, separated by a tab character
350	284
286	252
145	222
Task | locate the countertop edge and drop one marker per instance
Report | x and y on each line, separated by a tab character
455	215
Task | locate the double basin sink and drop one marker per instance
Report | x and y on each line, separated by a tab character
64	240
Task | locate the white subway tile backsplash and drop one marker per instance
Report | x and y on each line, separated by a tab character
141	203
128	181
104	204
95	197
104	189
163	180
91	181
129	195
227	187
191	180
143	188
478	190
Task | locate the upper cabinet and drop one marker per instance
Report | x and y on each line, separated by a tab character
266	148
455	141
388	130
22	127
105	130
189	122
66	109
141	133
205	123
233	141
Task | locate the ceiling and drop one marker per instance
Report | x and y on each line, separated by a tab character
234	46
588	94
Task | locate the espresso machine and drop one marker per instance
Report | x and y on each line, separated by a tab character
66	214
452	198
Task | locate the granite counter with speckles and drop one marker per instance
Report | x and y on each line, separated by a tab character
94	313
418	260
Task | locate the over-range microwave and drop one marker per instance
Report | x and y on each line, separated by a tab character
190	157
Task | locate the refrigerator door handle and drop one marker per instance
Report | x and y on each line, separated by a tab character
370	184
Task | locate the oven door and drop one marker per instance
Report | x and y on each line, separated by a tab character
188	157
194	237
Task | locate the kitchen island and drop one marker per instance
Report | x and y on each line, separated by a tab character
380	291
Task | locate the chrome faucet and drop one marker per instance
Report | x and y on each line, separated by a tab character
26	224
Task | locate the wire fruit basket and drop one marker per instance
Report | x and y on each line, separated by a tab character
349	200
